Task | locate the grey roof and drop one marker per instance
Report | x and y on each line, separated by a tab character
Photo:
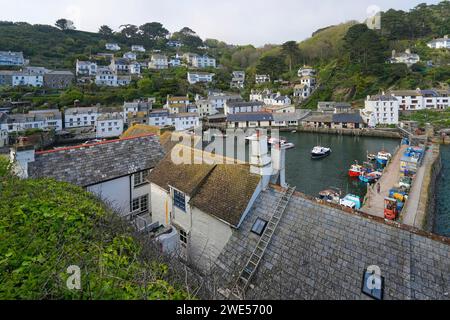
318	252
347	117
235	104
109	116
80	110
92	164
382	98
250	116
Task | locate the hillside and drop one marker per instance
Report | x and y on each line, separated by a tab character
47	226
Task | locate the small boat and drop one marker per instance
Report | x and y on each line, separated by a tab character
294	131
330	195
383	157
367	178
275	140
351	201
288	145
320	152
376	174
355	170
371	157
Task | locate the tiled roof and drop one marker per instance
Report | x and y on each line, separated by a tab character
184	177
347	117
239	186
92	164
250	116
139	130
318	252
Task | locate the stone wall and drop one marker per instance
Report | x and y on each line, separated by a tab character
354	132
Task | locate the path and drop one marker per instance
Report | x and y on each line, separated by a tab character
391	175
409	215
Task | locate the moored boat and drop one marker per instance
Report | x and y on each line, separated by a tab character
383	157
367	178
351	201
355	170
330	195
320	152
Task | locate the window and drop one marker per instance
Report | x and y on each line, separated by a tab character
140	178
179	200
259	226
183	237
140	204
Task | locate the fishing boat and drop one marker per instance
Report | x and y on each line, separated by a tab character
376	174
330	195
275	140
383	157
351	201
355	170
320	152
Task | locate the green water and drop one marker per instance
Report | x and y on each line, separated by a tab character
442	214
312	176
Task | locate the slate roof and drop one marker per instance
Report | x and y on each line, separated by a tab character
382	98
250	116
235	104
347	118
91	164
318	252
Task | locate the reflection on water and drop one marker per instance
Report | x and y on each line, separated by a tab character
312	176
442	215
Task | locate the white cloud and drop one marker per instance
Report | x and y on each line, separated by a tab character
234	21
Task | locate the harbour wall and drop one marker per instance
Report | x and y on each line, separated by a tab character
427	202
385	133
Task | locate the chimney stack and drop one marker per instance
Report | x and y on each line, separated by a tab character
260	161
279	163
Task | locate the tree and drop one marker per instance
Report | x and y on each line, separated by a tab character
129	31
64	24
105	31
153	31
272	65
188	37
291	50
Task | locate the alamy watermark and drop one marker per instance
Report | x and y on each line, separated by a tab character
73	282
373	20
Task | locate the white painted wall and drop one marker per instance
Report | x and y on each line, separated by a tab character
114	192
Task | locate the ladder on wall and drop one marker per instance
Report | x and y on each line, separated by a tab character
249	270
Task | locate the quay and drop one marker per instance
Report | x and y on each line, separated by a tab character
374	202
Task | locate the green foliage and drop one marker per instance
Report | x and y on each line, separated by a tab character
47	226
439	119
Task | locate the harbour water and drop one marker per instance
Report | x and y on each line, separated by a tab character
312	176
442	214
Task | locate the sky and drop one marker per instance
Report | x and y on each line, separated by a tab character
256	22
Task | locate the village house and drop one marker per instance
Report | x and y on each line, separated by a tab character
334	121
262	78
196	77
279	108
27	78
406	57
4	138
137	48
260	95
106	77
238	79
174	44
158	62
242	106
381	109
120	65
112	46
440	43
115	170
175	61
250	120
184	121
136	109
276	99
306	71
309	81
9	58
302	91
219	99
109	125
38	119
159	118
80	117
135	68
177	104
198	61
130	55
123	80
58	79
190	198
411	100
86	68
334	107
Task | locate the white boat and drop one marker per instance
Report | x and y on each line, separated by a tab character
288	145
275	140
320	152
